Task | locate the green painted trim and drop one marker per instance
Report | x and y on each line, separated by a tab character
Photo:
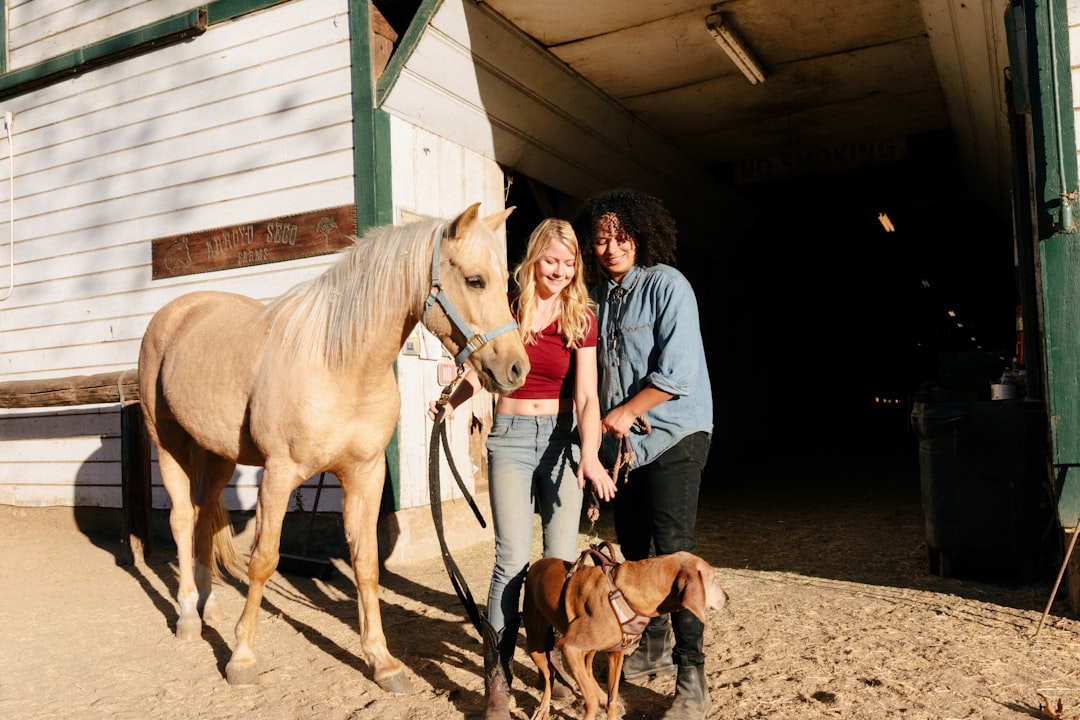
225	10
4	38
119	47
405	48
99	54
1043	28
363	108
372	179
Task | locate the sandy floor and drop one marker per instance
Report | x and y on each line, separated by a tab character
833	614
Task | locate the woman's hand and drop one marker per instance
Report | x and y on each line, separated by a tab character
594	470
433	410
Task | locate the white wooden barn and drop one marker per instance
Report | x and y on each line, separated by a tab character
175	119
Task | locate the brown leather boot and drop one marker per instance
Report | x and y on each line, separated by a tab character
561	684
498	652
497	694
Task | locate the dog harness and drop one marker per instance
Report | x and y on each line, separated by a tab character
630	620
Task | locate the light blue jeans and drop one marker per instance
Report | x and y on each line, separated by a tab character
532	464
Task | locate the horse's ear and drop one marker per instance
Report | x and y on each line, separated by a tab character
464	221
494	222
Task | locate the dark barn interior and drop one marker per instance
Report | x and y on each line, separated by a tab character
820	326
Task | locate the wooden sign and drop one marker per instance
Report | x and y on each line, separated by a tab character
266	241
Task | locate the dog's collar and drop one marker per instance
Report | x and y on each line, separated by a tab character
630	620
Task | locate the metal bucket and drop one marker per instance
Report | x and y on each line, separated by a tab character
1003	391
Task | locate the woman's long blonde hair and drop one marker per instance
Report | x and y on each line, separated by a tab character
574	300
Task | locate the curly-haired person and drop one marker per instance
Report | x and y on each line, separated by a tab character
654	394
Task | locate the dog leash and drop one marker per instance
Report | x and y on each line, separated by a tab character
439	437
630	620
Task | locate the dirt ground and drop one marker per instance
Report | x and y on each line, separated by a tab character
833	614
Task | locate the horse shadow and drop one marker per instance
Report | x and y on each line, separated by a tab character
447	639
156	573
447	643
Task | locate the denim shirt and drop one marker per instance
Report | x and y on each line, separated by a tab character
650	334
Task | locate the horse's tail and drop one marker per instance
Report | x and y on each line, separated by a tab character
223	549
225	553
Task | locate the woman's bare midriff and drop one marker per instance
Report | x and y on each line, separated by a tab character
542	406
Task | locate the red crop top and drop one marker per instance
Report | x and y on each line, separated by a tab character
552	364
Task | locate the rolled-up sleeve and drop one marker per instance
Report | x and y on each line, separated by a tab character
678	338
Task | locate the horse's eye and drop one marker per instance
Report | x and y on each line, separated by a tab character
476	282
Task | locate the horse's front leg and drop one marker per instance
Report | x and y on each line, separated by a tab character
360	513
277	484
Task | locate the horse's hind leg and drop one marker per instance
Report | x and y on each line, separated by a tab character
216	473
177	480
360	508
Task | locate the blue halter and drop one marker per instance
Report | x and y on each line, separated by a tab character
473	341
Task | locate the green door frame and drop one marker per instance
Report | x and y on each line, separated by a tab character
1039	56
372	181
372	157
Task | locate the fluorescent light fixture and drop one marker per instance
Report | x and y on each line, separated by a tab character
736	49
886	222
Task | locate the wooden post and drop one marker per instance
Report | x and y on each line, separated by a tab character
136	527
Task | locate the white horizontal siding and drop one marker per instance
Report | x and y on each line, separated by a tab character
251	120
255	123
42	29
72	456
61	457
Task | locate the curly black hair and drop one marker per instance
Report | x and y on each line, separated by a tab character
641	215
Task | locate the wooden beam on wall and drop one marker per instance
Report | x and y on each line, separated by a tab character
121	387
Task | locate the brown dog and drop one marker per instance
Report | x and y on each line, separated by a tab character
584	609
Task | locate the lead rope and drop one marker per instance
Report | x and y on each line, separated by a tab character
624	459
439	437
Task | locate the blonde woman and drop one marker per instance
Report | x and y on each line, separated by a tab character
538	456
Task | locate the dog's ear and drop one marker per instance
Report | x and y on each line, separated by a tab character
691	583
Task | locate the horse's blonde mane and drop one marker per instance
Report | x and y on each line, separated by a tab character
331	317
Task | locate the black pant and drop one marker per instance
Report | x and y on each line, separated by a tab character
655	513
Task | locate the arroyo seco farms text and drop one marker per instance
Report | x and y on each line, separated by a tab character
243	237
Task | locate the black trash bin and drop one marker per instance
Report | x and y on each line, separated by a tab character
986	493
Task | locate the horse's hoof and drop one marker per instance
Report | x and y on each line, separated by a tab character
188	629
398	683
241	673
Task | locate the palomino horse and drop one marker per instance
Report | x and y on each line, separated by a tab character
306	384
